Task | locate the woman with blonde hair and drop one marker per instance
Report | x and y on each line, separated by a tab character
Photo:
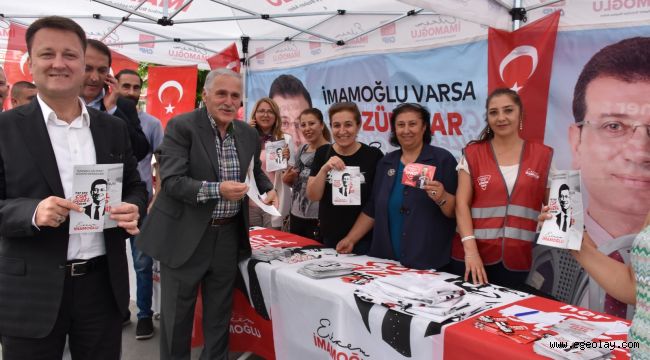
265	117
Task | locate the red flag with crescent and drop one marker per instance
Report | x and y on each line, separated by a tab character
172	91
16	65
121	62
227	58
522	61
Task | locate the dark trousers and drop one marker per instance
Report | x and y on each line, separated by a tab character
213	266
307	228
88	315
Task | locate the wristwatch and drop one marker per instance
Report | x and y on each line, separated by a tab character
441	202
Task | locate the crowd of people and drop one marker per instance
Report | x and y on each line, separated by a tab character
476	217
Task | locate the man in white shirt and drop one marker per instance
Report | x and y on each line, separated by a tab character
55	285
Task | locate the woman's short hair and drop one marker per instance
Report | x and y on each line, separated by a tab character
345	106
425	116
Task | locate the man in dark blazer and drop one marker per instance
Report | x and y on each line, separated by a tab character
53	284
97	80
198	224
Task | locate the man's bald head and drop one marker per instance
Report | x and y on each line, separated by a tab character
22	93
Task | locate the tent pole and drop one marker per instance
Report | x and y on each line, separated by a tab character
121	22
518	14
244	70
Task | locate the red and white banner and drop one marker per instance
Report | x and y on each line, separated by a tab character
228	58
172	91
522	61
16	65
121	62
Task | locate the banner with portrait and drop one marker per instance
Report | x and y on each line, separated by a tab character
450	81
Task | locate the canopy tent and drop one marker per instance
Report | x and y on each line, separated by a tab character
181	32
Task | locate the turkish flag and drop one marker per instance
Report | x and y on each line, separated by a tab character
16	65
121	62
227	58
522	60
172	91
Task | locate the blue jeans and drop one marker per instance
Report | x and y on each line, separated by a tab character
142	264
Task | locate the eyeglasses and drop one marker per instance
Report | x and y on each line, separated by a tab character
264	112
615	129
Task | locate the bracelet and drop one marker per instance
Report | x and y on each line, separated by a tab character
468	237
470	255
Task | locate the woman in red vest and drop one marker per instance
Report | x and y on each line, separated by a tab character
501	189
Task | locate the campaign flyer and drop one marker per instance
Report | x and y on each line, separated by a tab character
96	188
416	175
273	153
346	186
564	230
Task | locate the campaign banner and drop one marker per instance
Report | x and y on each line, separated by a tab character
450	81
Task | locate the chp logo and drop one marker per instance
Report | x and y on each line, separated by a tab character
325	339
169	109
240	324
260	54
532	173
314	46
388	32
483	181
146	43
519	77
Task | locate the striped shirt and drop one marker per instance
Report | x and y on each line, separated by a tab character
228	171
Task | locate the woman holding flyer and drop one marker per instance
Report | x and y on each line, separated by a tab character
501	187
628	284
342	176
413	224
276	156
304	213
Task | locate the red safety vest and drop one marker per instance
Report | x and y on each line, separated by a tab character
504	225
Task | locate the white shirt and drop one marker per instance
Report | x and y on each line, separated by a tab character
73	145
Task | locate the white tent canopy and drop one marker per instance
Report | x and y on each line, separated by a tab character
279	32
177	32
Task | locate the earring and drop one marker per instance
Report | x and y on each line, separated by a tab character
521	125
487	131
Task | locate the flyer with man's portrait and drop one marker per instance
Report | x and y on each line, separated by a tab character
96	188
273	153
346	186
564	230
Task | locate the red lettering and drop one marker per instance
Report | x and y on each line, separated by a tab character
367	126
454	121
437	124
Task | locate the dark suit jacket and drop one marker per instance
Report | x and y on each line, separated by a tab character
558	220
188	156
32	262
89	208
127	111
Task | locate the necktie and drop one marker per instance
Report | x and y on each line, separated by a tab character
96	216
564	222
